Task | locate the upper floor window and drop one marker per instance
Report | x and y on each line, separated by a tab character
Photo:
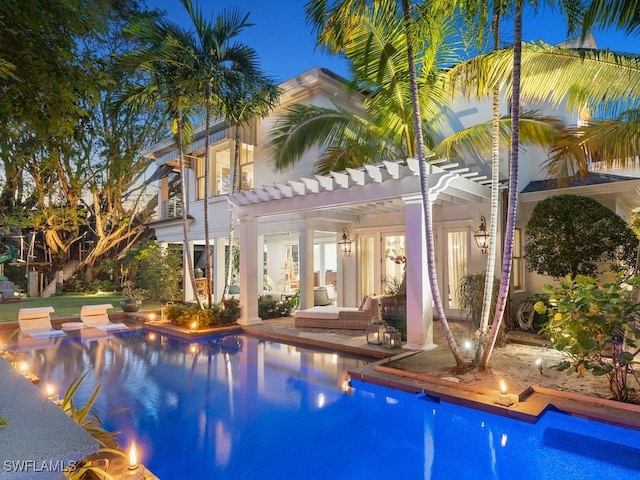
200	193
246	166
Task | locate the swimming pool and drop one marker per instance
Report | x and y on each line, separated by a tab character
242	407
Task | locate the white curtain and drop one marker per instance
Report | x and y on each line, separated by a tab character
457	265
366	250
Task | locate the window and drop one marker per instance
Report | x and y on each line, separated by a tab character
200	193
223	172
246	166
518	264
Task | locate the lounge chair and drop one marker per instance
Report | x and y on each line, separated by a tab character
96	316
351	318
36	322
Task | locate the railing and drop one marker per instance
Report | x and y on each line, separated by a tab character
172	208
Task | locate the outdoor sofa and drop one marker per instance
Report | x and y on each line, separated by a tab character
351	318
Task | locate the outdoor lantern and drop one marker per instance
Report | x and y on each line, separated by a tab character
482	236
392	338
345	244
375	331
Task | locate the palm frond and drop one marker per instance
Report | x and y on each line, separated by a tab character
605	81
613	143
620	14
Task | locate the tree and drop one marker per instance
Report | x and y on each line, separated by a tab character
76	162
217	62
244	98
167	61
377	47
621	14
341	23
576	235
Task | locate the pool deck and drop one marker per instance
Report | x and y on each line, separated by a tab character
403	370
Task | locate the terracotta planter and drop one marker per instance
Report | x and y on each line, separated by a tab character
130	304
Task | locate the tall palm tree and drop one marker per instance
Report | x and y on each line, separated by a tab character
167	64
216	56
478	13
244	99
378	48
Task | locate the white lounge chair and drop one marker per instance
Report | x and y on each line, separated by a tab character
36	322
96	316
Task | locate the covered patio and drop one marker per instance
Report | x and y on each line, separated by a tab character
360	202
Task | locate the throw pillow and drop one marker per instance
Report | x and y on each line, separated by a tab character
364	300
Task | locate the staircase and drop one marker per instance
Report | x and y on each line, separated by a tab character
68	270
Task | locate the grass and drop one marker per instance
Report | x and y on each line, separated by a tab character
64	305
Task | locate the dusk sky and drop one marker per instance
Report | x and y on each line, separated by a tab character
286	47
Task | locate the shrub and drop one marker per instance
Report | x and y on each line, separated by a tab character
574	235
270	308
592	322
226	312
157	271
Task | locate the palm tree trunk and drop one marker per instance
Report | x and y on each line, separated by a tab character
512	207
426	201
207	240
233	174
185	213
495	197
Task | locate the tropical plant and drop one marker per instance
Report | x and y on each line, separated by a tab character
246	97
193	317
271	308
93	425
222	67
168	63
595	322
471	296
155	270
380	45
572	235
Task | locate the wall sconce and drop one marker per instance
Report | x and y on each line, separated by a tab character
482	236
344	245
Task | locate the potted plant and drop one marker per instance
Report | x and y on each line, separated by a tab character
393	306
134	295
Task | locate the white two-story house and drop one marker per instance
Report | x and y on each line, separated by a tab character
289	224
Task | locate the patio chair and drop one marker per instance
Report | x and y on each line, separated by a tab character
351	318
36	322
96	316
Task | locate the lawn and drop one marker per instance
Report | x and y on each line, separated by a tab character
64	305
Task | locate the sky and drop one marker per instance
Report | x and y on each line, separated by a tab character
286	46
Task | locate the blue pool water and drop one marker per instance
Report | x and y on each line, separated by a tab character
239	407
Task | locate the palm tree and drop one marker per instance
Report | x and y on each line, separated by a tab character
167	64
215	57
245	98
377	46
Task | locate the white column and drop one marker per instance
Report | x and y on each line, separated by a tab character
248	235
305	262
419	299
187	289
219	260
